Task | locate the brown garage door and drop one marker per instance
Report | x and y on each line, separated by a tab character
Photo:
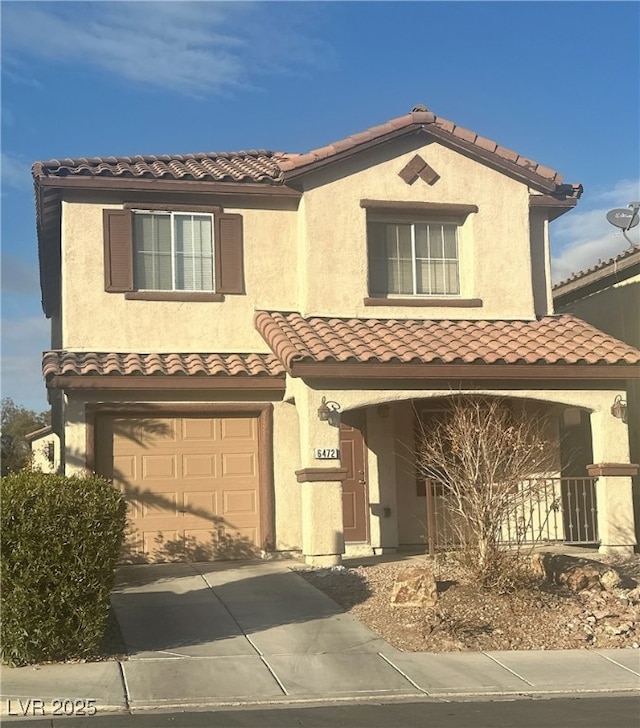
192	484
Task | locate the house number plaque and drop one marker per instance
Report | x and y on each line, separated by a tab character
326	453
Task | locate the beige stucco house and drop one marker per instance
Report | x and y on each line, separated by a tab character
243	341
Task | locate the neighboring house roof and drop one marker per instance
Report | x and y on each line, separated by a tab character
551	340
66	366
600	276
38	434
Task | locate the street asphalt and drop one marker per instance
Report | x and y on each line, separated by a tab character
226	635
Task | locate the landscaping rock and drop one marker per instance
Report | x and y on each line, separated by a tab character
577	574
415	588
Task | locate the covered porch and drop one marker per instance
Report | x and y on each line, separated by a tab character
371	498
359	387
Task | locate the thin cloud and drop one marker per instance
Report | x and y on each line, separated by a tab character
16	173
583	237
192	48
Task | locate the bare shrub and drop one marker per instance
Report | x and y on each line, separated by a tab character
491	459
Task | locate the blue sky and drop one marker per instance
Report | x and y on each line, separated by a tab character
557	82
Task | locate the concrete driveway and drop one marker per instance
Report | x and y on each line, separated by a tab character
243	631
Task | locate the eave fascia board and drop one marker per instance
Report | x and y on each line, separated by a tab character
129	184
484	372
165	382
493	160
554	206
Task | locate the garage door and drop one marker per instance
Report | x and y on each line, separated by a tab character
192	484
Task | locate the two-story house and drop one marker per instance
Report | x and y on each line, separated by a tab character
244	341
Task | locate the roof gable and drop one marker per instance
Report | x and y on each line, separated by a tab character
278	168
421	120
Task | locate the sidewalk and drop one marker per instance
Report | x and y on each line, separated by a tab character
218	635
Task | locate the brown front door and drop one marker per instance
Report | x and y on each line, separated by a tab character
355	501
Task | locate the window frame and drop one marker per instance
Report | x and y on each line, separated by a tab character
420	211
412	223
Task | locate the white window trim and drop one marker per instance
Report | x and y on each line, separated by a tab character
172	214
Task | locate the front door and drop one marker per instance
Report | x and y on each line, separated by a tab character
355	501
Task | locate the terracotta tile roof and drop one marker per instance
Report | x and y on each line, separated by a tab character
421	117
275	167
627	256
68	363
252	166
550	340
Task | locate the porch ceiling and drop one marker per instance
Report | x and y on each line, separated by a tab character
550	346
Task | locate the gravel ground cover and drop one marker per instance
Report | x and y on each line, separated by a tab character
465	617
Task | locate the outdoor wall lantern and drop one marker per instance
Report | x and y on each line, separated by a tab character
329	411
619	408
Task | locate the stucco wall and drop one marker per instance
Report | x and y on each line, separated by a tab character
313	259
494	243
95	320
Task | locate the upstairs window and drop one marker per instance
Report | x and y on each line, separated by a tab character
173	251
413	259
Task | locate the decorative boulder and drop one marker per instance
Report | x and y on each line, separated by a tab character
415	588
576	574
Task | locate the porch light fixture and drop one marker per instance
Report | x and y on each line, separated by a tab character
329	411
619	408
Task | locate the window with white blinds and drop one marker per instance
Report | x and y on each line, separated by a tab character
173	251
412	259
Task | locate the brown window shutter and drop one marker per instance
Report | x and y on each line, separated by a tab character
118	251
229	254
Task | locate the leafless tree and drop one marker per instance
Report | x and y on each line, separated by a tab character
490	460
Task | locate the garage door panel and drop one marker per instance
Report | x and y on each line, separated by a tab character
162	545
125	467
237	428
239	502
243	535
239	465
155	506
201	504
134	508
159	466
201	429
199	465
201	538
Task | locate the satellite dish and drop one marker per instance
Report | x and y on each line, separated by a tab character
625	219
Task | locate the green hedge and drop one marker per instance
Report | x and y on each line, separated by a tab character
61	538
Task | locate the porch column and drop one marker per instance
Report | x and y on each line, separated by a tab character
320	479
610	440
